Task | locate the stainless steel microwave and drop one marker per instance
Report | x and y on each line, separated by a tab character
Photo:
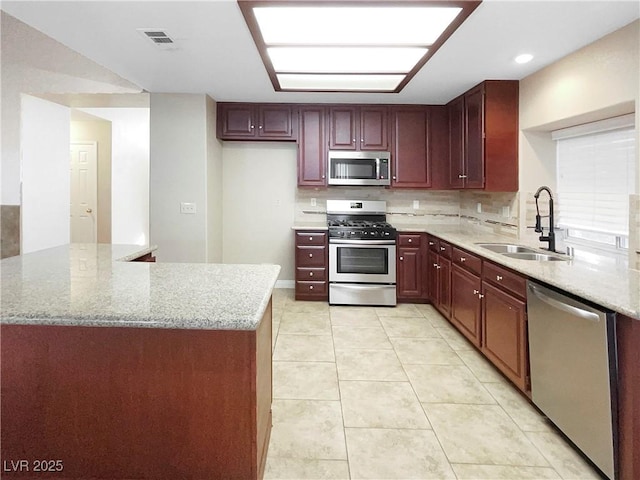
359	168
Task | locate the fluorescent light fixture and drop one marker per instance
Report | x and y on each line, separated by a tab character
366	25
350	46
333	83
524	58
345	59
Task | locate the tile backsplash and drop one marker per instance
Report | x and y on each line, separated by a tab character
434	207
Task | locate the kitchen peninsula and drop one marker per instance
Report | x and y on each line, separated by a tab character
119	369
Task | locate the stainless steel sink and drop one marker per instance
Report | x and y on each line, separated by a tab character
506	248
540	257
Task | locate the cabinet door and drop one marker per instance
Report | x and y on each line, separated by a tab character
444	286
466	303
504	332
409	148
374	134
311	147
236	121
438	143
342	128
275	122
409	268
432	278
456	143
474	138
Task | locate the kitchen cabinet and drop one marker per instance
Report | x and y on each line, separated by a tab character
410	271
440	275
358	127
504	323
466	296
247	121
483	137
312	154
410	147
311	261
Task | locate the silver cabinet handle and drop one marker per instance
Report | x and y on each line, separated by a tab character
442	249
435	264
310	239
438	267
401	258
481	296
410	240
462	176
311	274
323	176
476	292
260	127
310	287
462	259
252	127
311	255
431	243
394	177
498	278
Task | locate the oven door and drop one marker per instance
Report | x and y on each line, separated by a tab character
362	261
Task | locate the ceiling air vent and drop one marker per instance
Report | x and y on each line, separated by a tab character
158	36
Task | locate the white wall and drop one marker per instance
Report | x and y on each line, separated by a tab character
129	173
178	173
46	182
259	204
214	187
598	81
34	63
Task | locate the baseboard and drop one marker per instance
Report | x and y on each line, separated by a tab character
285	284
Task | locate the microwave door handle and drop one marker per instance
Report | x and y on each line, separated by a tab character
377	168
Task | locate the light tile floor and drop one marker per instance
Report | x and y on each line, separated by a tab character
397	393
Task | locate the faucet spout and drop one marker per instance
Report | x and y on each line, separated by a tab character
550	238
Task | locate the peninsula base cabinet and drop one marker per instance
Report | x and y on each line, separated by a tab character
144	403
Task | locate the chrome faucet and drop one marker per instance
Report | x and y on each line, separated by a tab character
551	237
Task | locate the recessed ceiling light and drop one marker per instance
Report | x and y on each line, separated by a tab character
369	46
524	58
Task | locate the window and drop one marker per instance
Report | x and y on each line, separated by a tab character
596	172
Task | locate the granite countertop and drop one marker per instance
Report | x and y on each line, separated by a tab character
614	287
95	285
310	226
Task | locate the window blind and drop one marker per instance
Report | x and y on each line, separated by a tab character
596	170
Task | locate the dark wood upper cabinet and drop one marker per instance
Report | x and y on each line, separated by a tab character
342	128
312	158
358	127
438	143
248	121
410	147
483	137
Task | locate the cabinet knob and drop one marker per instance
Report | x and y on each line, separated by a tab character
311	255
410	240
481	296
462	176
311	274
310	287
252	127
323	176
401	258
442	249
431	243
462	259
394	177
498	278
438	267
310	239
353	140
260	127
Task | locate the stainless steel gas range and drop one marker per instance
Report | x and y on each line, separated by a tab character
362	253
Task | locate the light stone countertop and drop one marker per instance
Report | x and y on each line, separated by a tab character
310	226
95	285
612	287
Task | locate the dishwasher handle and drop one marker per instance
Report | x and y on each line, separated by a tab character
565	307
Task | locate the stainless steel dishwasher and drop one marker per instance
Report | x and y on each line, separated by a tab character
572	352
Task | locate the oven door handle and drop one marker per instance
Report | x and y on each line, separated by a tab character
362	242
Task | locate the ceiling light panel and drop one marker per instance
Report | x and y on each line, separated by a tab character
345	59
334	83
350	45
331	25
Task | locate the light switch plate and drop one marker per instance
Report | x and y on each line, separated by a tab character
188	208
506	211
416	204
313	202
479	207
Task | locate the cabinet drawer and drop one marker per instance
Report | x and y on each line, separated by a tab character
444	249
434	244
505	279
311	256
305	289
311	238
311	274
466	260
409	239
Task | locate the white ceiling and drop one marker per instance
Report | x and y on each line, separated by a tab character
215	53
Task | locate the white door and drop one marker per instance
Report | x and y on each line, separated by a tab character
84	192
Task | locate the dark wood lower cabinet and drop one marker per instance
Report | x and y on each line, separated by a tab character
628	335
409	273
466	303
504	334
311	260
144	403
444	286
